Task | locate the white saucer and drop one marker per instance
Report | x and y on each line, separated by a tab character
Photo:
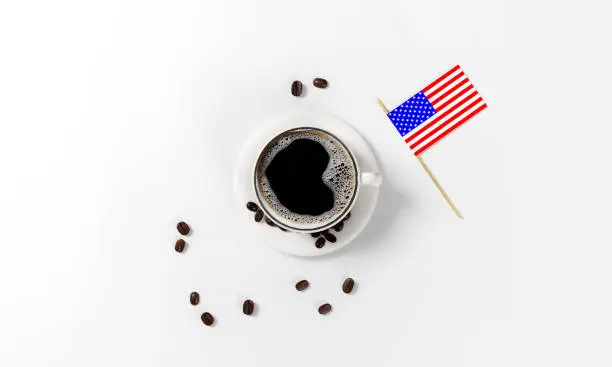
294	243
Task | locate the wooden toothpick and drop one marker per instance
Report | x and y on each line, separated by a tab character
431	176
382	105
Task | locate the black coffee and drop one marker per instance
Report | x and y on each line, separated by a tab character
296	177
305	178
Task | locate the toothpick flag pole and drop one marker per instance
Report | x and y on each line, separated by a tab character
433	178
435	181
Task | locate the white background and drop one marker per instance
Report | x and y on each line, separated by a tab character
118	118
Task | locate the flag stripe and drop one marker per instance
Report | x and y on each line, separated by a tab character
440	79
442	125
455	120
445	94
453	98
431	95
461	122
459	81
437	117
435	90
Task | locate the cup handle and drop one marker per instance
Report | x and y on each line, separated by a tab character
371	179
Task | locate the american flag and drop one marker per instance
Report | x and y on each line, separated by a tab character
437	110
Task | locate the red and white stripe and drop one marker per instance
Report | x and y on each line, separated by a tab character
455	100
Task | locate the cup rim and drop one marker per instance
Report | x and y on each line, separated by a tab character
341	216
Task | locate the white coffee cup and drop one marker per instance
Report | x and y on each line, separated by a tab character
314	225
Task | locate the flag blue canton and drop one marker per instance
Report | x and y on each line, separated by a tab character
410	114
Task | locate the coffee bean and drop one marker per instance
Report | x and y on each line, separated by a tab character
330	237
180	245
296	88
258	215
347	286
248	307
270	222
315	234
282	229
347	217
252	206
320	83
302	285
325	309
183	228
207	319
320	242
194	298
338	227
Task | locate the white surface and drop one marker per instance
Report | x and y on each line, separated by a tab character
120	117
303	244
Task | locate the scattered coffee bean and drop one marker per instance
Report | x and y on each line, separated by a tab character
248	307
296	88
330	237
183	228
315	234
180	245
282	229
325	309
194	298
320	242
259	215
270	222
347	217
347	286
207	319
320	83
338	227
252	206
302	285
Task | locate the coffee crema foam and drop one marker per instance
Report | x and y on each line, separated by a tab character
340	175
